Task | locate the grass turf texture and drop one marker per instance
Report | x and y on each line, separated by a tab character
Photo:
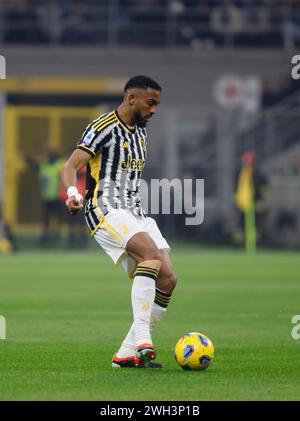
66	314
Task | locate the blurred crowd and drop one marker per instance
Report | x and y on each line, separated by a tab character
278	89
190	23
290	168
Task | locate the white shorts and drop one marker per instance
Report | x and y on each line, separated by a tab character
116	230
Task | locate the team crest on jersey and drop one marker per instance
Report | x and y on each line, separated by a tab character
88	137
125	145
143	144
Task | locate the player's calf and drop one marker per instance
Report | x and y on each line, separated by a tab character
166	281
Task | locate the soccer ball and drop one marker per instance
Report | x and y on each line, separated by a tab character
194	351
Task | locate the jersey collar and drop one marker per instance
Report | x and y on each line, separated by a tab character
124	125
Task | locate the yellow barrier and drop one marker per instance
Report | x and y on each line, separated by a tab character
63	85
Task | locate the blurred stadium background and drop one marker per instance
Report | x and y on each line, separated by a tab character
225	69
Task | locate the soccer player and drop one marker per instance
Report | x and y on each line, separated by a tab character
113	147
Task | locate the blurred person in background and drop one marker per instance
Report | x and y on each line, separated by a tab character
250	192
7	243
50	176
49	173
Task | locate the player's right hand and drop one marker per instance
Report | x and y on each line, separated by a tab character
74	204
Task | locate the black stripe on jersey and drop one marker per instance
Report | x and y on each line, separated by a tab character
94	217
125	194
103	142
133	173
88	205
124	139
140	151
104	159
90	183
89	222
116	159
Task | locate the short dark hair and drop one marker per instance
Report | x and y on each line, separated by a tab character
142	82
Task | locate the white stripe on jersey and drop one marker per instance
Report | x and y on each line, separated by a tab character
107	181
118	181
137	205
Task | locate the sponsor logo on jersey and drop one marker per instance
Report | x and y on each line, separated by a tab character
133	164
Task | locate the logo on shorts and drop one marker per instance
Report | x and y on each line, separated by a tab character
124	228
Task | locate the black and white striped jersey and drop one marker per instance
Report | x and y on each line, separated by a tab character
114	172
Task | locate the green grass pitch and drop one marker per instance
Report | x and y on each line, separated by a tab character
66	313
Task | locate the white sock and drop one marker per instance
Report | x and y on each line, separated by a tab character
156	315
127	348
142	298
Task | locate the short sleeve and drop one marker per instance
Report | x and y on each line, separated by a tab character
93	140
